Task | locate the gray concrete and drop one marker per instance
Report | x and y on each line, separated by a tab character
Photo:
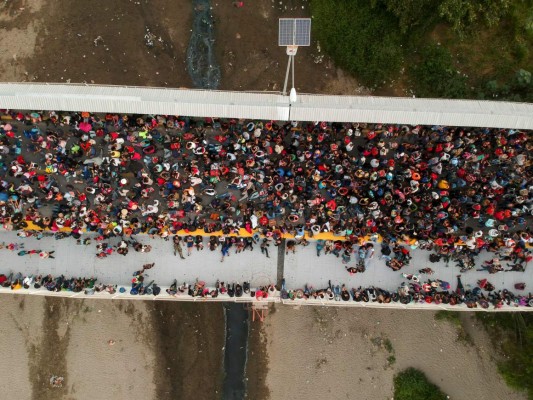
299	269
305	267
72	259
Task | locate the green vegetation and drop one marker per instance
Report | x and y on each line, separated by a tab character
436	76
452	316
362	38
388	345
513	333
465	15
412	384
432	48
455	318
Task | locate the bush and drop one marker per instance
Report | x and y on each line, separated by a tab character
375	39
519	88
416	15
362	38
412	384
435	75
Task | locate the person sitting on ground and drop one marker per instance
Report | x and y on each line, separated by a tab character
46	254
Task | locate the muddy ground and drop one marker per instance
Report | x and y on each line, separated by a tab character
104	43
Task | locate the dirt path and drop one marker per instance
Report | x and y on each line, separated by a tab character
345	354
20	24
21	318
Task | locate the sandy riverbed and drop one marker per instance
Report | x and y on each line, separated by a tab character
320	352
109	349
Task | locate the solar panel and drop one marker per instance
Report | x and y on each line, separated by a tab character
294	31
286	31
302	32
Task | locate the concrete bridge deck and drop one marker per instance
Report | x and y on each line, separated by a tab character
299	269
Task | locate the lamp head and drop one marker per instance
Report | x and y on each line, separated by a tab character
292	96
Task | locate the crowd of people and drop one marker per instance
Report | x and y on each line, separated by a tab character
17	281
414	290
122	175
431	291
456	191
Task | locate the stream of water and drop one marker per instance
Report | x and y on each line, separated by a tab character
236	351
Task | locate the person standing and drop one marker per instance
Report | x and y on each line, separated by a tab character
249	242
177	246
190	244
460	288
291	246
369	249
225	249
319	247
264	247
239	245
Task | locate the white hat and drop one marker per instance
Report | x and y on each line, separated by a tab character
494	233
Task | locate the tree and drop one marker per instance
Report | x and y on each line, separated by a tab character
362	38
413	14
464	16
435	74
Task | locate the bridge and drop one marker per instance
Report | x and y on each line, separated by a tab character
265	105
298	269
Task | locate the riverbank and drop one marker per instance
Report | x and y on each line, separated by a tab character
156	350
343	353
109	349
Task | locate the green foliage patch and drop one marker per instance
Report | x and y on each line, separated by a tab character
362	38
433	48
513	332
412	384
435	75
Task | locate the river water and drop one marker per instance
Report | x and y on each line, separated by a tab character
237	320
